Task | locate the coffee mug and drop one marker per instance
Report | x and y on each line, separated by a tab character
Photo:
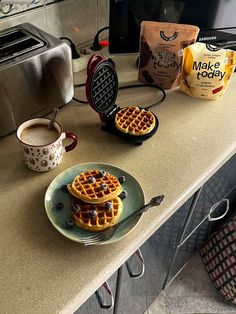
43	148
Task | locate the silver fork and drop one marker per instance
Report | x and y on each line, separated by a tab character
108	233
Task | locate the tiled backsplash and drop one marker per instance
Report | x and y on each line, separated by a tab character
14	8
76	19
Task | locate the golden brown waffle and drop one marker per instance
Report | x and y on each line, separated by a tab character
102	219
134	121
104	188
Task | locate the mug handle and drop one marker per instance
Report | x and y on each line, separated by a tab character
73	144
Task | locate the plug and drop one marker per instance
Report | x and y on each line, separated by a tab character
74	52
96	46
77	65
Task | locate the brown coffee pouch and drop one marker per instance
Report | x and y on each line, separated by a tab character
161	52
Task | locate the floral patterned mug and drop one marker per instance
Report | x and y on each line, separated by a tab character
42	148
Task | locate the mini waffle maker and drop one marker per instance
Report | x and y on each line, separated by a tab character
101	92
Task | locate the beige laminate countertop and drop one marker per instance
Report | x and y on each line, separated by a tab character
43	272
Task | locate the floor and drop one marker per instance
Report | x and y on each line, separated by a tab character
192	292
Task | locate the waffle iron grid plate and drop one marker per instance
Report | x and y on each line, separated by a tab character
104	87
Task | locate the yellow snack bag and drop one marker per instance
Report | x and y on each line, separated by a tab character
206	70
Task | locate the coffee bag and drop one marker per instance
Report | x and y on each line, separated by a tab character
161	52
207	70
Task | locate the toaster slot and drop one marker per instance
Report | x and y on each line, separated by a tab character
8	38
20	47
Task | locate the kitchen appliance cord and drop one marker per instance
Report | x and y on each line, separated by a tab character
75	55
127	87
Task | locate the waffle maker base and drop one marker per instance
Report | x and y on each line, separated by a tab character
110	127
101	92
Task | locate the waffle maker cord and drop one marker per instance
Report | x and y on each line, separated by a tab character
157	103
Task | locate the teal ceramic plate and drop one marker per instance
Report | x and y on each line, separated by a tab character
56	194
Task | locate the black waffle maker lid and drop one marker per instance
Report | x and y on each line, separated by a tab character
101	92
101	85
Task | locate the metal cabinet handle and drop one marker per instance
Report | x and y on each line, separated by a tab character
102	302
226	200
129	269
212	209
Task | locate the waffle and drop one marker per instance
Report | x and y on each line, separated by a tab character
134	121
104	188
104	218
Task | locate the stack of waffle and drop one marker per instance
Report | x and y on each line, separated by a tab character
96	204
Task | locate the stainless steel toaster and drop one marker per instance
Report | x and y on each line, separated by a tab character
35	75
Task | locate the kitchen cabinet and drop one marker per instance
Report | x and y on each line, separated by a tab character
191	244
216	198
92	305
136	294
221	185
